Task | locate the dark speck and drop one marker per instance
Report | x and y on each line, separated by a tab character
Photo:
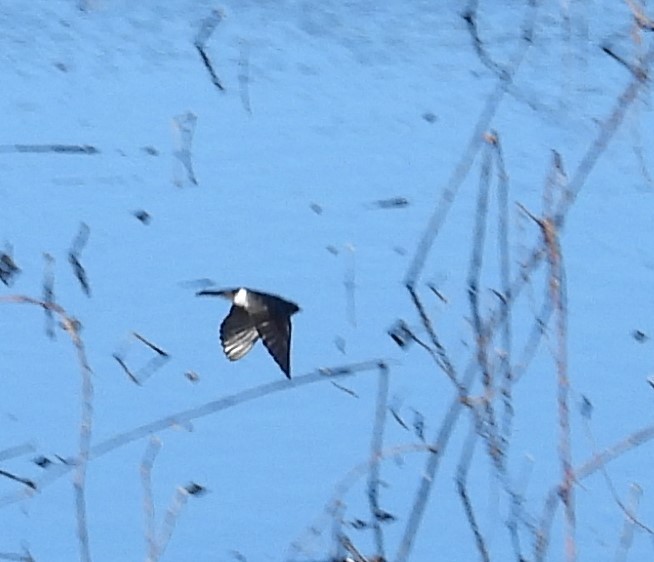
42	461
392	203
195	489
429	117
143	216
639	336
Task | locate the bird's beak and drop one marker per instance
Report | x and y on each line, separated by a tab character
212	293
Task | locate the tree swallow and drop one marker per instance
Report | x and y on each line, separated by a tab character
256	315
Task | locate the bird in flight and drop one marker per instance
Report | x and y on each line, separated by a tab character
256	315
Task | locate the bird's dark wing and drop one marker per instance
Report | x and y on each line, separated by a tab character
237	333
276	335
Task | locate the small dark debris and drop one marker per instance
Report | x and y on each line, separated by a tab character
332	250
339	342
74	258
586	407
640	336
150	150
238	556
419	425
359	524
195	489
384	516
192	376
61	66
316	208
391	203
8	268
401	334
42	461
143	216
429	117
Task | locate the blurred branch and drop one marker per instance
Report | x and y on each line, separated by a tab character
335	506
482	338
74	258
48	294
606	132
596	462
627	537
72	327
150	455
85	149
184	417
449	193
461	484
628	513
375	450
442	357
206	30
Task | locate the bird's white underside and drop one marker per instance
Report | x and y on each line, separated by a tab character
241	298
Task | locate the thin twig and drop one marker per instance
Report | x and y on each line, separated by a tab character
48	295
74	258
606	132
443	359
170	519
448	195
375	449
151	452
16	557
609	483
204	33
334	507
184	417
350	285
596	462
244	76
184	127
462	488
16	451
72	327
627	536
25	481
54	148
482	338
506	355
